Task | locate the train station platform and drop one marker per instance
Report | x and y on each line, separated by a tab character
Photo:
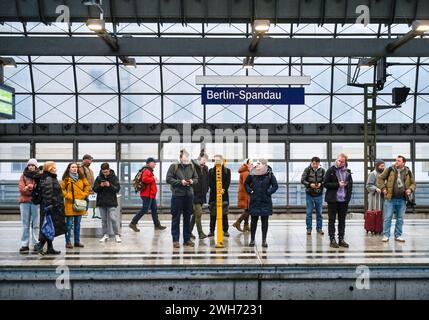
294	266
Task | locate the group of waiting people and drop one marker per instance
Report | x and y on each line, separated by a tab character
190	182
66	201
388	190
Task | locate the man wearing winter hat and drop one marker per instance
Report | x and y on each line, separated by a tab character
148	196
29	211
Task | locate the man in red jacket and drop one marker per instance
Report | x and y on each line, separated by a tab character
148	196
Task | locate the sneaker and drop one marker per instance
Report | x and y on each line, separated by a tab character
134	227
202	236
189	243
399	239
69	246
176	244
104	239
333	244
79	245
385	239
53	251
39	249
320	231
342	243
24	249
160	227
236	225
264	243
252	243
118	238
308	232
226	234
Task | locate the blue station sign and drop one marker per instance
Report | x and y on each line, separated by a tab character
227	95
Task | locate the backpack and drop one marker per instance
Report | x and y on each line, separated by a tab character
138	184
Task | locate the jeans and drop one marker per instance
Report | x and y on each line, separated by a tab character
73	221
109	216
148	203
315	203
30	223
181	204
399	205
334	209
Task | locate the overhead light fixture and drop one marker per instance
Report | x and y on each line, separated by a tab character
96	25
261	26
7	62
420	26
248	62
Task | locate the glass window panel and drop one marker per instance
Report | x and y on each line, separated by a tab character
181	28
340	78
347	109
141	108
55	108
422	111
108	60
268	113
54	27
18	78
315	110
347	30
98	109
139	151
126	28
181	78
12	27
99	151
23	109
171	151
421	172
14	151
392	150
397	115
183	109
400	76
220	28
230	151
53	78
263	70
307	150
51	59
10	172
54	151
143	79
422	150
354	150
266	151
225	113
320	77
313	29
423	84
297	168
96	78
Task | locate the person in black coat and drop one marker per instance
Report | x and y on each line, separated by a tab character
339	187
106	186
226	181
200	193
52	200
260	184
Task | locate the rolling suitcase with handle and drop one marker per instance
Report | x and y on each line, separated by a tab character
374	218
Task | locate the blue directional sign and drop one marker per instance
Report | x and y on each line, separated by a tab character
234	95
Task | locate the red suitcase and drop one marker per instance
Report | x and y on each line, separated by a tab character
374	219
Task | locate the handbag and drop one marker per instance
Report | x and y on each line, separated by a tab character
78	205
48	229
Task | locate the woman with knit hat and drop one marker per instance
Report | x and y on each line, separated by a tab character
29	210
53	203
260	184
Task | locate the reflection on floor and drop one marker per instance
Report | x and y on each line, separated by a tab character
288	246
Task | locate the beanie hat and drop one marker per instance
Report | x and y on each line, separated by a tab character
378	163
32	162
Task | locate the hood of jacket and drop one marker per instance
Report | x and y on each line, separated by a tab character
243	168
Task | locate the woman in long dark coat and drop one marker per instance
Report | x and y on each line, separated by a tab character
260	184
52	199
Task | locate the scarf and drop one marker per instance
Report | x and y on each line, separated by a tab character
259	171
74	176
29	174
399	182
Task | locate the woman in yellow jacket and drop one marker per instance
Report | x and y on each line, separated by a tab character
75	187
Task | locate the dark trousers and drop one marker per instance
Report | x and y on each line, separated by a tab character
148	203
179	205
334	209
254	226
225	224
